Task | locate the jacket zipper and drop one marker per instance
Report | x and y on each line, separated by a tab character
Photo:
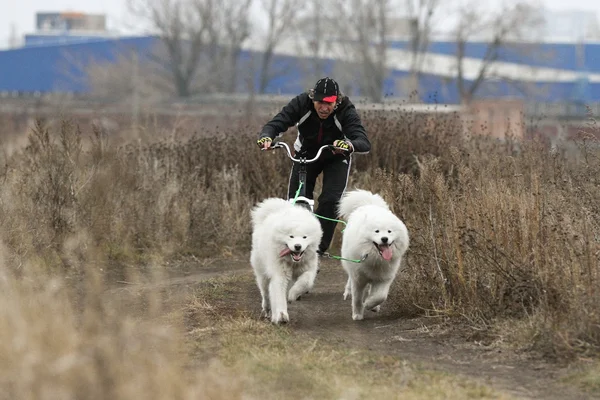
320	136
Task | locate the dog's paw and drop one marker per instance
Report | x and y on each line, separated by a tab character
357	317
265	313
346	295
281	317
376	309
293	297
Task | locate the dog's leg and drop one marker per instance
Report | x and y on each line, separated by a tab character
263	286
358	308
366	295
366	292
277	294
303	284
348	288
379	293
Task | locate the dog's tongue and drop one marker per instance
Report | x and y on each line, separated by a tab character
386	252
285	252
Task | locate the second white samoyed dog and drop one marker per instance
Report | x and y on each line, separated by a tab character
285	238
374	232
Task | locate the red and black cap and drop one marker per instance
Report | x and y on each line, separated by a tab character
326	89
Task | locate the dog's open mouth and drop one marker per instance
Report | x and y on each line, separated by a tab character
295	255
385	250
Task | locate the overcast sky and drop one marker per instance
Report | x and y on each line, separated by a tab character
19	16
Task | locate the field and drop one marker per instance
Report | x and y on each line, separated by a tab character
124	268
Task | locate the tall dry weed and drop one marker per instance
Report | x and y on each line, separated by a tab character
498	229
499	234
60	343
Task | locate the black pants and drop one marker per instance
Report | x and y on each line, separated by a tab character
335	177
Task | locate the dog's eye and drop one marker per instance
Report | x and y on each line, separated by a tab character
389	231
303	237
377	231
292	236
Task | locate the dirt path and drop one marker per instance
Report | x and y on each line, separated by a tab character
424	341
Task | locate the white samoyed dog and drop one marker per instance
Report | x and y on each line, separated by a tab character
379	238
285	238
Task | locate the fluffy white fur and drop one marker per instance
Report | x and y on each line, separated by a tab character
285	238
375	232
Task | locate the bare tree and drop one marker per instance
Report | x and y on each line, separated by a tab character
199	36
127	78
229	28
117	75
184	29
316	29
280	16
421	13
318	35
235	30
502	29
365	23
315	35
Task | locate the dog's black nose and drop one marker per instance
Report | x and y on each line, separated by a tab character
297	247
384	239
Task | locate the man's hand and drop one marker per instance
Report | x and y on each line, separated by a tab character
264	142
342	147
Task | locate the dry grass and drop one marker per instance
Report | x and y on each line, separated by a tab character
588	379
277	362
500	231
501	235
59	344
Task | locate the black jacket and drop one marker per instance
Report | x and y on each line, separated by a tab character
313	132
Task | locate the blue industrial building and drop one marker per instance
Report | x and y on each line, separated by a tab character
48	66
566	72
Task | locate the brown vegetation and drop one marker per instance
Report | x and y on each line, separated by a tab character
500	231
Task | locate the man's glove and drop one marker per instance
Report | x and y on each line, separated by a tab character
261	142
342	144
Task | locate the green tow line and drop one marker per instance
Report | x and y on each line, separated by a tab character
333	220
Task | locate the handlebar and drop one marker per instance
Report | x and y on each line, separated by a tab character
303	160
